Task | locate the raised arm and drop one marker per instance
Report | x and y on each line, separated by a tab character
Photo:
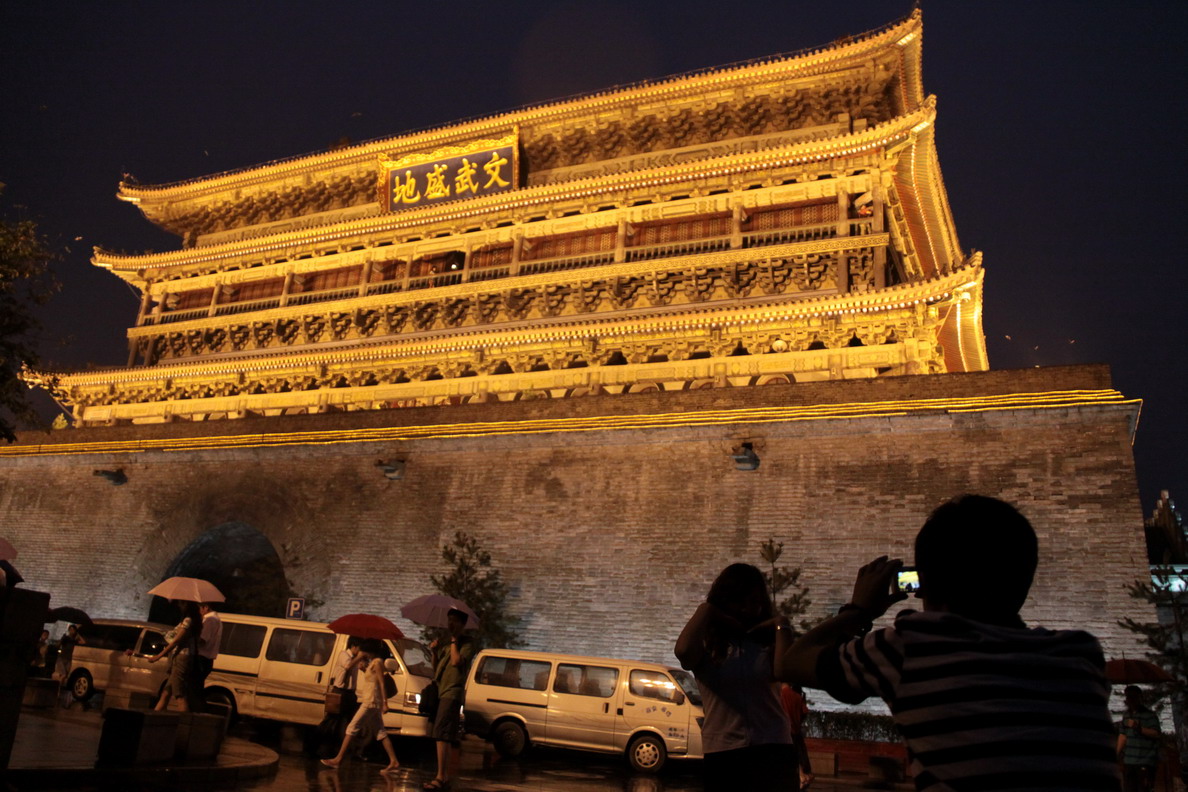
178	637
871	599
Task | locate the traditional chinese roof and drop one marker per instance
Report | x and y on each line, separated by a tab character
872	78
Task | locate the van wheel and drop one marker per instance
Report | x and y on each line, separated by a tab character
647	753
223	699
509	739
81	686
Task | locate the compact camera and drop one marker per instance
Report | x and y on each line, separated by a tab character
907	581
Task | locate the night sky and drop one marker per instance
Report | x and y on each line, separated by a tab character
1061	134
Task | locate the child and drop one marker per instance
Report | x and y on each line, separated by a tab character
372	706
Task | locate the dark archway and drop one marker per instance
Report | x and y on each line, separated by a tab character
241	562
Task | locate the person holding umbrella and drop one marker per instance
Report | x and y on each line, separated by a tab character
182	650
369	718
452	663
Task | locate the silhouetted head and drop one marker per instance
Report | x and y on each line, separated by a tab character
371	647
456	620
977	558
353	642
189	610
741	592
1134	697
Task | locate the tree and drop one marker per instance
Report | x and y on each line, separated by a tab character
1164	637
783	579
473	580
25	282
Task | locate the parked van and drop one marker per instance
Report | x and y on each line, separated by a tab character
647	711
280	669
115	657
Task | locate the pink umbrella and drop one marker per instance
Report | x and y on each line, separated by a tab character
189	589
431	609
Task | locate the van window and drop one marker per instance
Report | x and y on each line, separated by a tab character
585	680
118	637
242	640
152	642
514	673
416	657
652	684
305	647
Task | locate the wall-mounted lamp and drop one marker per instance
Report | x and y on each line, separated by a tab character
116	477
745	457
394	470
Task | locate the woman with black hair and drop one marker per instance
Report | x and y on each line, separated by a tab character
182	650
730	644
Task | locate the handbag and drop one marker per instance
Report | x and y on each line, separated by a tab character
333	701
430	697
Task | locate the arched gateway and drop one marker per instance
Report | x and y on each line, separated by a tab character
241	562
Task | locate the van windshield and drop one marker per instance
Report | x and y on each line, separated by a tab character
416	657
687	683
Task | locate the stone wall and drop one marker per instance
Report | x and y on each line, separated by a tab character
609	537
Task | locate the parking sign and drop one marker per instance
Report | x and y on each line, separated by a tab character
296	608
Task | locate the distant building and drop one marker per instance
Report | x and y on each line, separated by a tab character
1166	540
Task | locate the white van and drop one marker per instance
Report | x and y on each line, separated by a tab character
647	711
280	669
116	657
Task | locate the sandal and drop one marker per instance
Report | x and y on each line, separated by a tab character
435	784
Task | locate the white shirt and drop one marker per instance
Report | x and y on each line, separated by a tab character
211	637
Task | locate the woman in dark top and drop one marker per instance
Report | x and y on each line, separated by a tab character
730	644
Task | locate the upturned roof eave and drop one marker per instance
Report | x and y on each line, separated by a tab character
905	33
136	269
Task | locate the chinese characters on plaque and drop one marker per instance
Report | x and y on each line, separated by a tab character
448	176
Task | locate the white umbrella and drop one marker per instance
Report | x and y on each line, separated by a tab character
431	609
7	551
189	589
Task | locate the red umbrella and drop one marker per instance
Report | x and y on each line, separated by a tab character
365	625
1128	671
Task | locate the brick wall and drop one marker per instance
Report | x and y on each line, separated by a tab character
609	538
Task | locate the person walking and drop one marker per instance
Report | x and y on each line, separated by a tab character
730	644
452	663
1138	743
369	718
795	707
343	682
182	650
66	646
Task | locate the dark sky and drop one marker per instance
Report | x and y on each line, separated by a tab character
1061	131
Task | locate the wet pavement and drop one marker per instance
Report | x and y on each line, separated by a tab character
55	750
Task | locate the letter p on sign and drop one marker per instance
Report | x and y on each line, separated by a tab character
296	608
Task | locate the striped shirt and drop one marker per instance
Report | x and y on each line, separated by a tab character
985	707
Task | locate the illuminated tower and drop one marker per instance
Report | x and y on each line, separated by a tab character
782	220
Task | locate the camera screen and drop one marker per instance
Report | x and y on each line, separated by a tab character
908	580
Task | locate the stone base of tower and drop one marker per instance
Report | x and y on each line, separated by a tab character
607	515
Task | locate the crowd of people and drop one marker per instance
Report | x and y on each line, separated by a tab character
983	701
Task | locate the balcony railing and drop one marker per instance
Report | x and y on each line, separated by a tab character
566	263
245	307
323	296
751	239
176	316
670	249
